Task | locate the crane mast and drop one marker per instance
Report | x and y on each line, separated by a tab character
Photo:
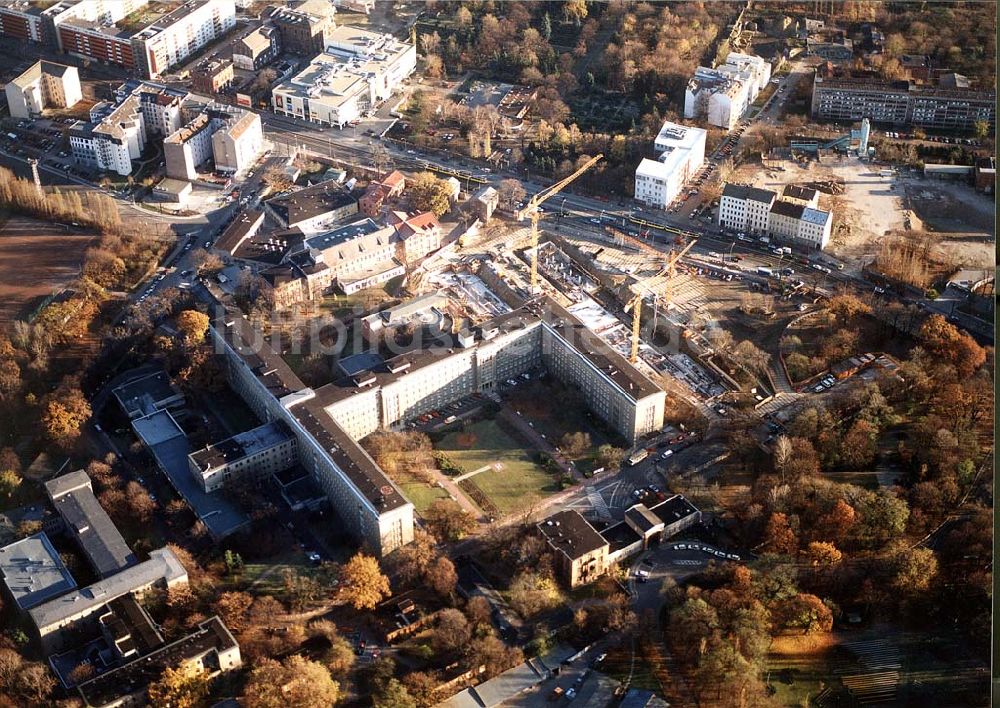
531	210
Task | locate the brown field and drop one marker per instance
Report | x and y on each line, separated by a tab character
36	258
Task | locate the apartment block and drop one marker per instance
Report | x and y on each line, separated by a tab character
358	70
114	142
211	77
118	132
39	22
237	142
231	136
745	208
44	85
304	29
254	455
800	224
901	103
88	524
99	29
794	218
26	21
163	569
681	151
189	147
256	49
721	96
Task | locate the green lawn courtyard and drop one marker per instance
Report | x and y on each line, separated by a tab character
421	494
514	481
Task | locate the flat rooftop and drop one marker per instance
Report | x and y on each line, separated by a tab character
571	534
678	136
161	566
211	636
560	322
311	202
279	379
169	445
242	445
33	571
342	234
674	509
142	395
86	520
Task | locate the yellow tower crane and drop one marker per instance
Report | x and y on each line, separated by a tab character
635	304
531	210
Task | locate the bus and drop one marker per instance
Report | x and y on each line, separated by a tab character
638	457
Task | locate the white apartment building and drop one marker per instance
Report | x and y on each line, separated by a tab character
744	208
358	70
44	85
757	68
716	97
800	224
187	148
681	154
181	33
238	142
722	95
112	144
231	136
794	219
162	109
118	133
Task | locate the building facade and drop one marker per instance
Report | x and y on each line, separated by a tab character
254	455
44	85
214	76
302	32
901	103
745	208
721	96
795	219
238	142
358	70
257	49
681	151
369	504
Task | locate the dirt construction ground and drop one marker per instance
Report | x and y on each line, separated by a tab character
871	206
36	259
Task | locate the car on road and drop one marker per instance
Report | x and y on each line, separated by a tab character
600	657
571	694
595	220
